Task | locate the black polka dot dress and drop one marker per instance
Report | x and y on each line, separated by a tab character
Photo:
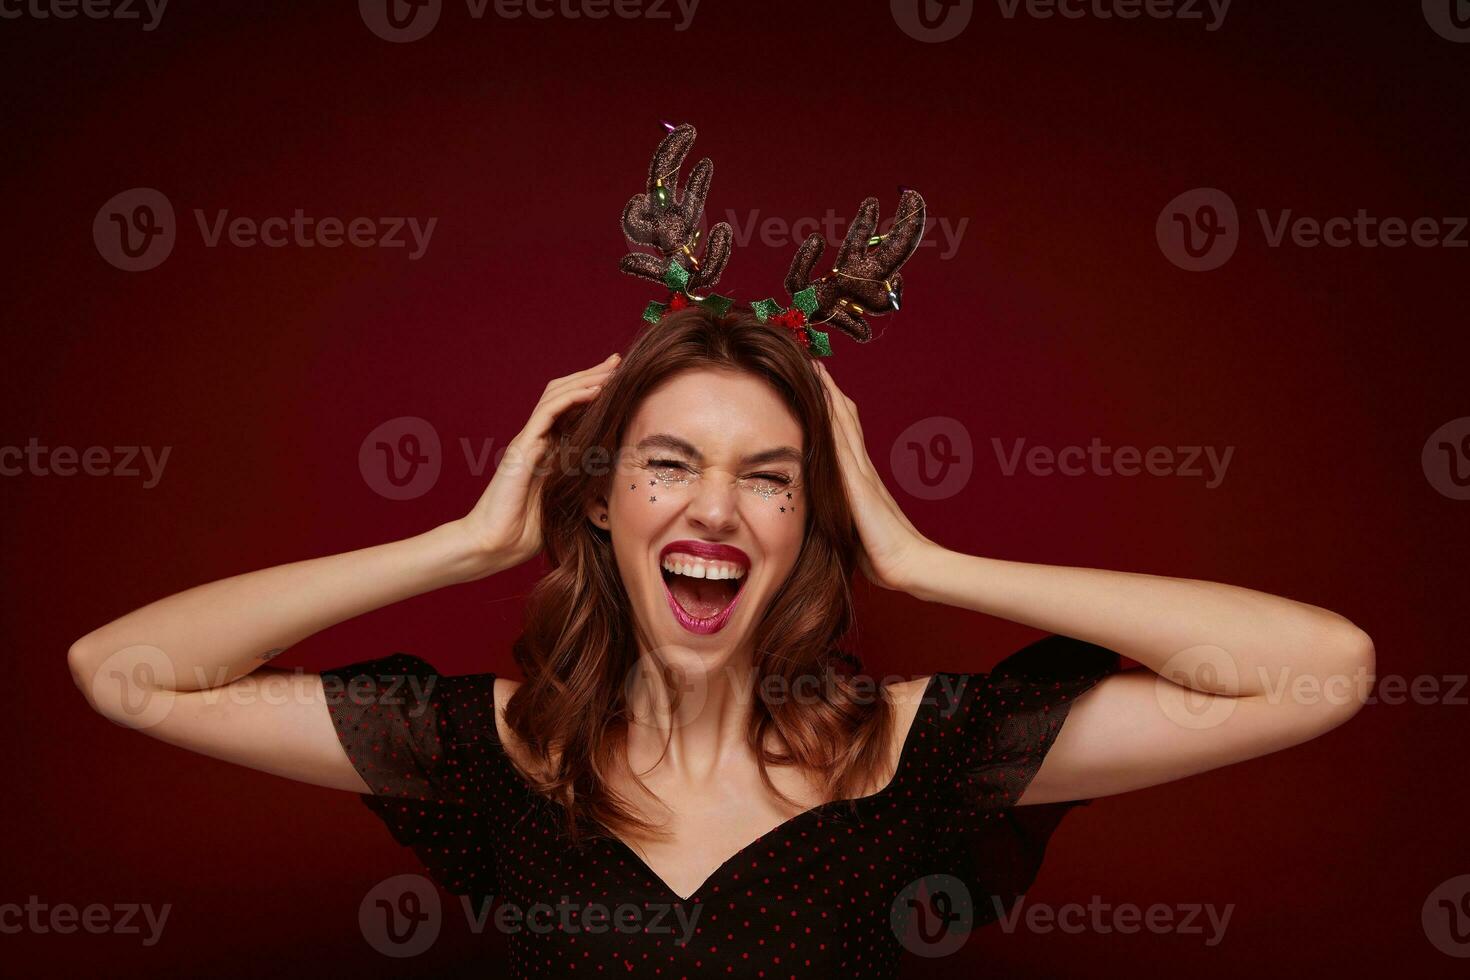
834	891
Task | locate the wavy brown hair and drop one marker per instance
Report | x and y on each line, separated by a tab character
579	644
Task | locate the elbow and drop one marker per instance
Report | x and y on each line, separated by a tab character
1351	652
83	668
1356	647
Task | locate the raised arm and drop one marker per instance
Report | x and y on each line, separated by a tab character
189	669
1231	673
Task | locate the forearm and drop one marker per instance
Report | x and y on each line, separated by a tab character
214	633
1221	638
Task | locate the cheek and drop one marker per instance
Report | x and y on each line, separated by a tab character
778	522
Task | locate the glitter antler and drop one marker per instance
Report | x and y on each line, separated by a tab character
865	280
670	222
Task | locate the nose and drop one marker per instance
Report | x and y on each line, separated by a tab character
714	505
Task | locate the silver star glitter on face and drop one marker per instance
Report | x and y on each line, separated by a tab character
766	491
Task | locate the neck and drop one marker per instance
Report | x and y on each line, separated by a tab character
687	721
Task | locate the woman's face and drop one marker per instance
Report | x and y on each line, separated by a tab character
707	511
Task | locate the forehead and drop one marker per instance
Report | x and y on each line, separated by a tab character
720	412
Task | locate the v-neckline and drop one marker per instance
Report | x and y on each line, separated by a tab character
791	821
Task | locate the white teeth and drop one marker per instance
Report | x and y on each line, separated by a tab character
702	568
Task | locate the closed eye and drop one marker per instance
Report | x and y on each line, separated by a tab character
780	479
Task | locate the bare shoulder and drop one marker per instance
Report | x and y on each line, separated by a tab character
908	694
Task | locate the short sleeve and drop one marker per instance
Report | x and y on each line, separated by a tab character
427	747
996	730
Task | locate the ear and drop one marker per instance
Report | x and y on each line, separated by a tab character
597	514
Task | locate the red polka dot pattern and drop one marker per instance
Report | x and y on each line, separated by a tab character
811	897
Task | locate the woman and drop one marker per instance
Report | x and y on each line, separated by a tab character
677	766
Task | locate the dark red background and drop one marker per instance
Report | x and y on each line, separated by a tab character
1058	320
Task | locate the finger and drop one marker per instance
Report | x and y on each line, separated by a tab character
552	405
608	363
845	410
841	419
554	398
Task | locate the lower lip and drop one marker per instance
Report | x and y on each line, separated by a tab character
702	626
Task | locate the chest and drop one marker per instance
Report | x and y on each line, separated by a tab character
705	828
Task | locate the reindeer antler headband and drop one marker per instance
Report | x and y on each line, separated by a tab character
864	280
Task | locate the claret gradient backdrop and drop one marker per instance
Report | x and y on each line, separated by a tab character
1192	303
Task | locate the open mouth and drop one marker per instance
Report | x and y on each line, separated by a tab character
703	582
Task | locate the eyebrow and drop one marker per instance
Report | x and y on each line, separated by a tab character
664	440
